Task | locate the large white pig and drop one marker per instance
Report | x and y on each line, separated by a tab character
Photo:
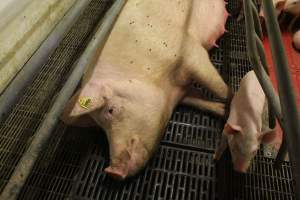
278	5
246	127
292	7
155	51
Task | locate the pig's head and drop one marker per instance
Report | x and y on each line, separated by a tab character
292	7
133	115
244	144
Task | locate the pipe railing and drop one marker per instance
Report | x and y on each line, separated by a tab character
284	106
43	134
16	88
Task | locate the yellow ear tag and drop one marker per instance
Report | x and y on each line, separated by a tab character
85	102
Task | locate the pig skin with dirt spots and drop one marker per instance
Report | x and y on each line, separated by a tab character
247	125
146	68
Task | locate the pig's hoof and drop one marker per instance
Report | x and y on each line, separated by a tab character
240	18
219	109
216	158
115	173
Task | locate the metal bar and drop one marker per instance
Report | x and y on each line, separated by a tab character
262	77
259	70
12	93
286	93
281	154
260	48
256	21
43	134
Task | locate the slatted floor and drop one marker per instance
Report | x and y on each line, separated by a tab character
72	165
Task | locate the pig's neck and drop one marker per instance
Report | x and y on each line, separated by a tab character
131	85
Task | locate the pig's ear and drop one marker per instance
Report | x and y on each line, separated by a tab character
268	136
232	129
220	150
87	100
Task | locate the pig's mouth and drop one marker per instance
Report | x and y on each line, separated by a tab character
241	165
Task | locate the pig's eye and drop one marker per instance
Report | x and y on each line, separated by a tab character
108	113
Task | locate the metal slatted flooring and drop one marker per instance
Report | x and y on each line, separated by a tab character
182	168
262	181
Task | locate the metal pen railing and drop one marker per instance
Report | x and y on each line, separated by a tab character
43	134
283	107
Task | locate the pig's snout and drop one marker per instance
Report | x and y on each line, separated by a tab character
241	165
129	161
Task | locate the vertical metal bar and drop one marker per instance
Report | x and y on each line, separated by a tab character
281	154
263	79
256	21
260	48
259	70
25	165
286	92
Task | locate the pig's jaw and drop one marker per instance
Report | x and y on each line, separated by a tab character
241	165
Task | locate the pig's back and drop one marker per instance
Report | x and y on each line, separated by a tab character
146	38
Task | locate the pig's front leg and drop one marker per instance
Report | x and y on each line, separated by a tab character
199	67
222	147
195	100
205	105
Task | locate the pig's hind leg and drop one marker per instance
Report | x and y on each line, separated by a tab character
199	68
195	100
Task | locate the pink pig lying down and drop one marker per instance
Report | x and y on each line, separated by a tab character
146	68
246	126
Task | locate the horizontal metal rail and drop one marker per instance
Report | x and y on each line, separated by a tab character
43	134
284	107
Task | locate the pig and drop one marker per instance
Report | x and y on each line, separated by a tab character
153	55
246	127
292	7
278	5
296	40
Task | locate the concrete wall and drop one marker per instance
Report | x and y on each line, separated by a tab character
24	25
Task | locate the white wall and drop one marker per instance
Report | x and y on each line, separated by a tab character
9	9
24	25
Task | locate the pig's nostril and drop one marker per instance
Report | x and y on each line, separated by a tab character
111	111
